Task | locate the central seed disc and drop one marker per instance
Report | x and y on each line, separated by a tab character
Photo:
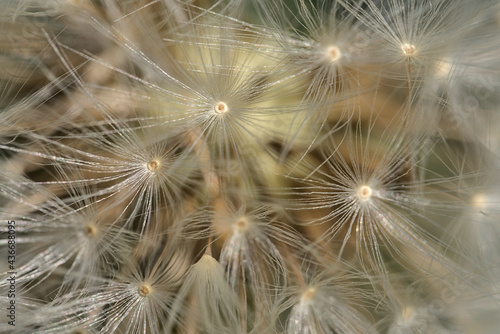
153	165
221	108
365	192
144	290
242	224
90	230
408	49
334	53
309	294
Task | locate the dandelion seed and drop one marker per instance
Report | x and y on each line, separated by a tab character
142	168
222	99
136	300
323	306
251	241
323	60
369	198
75	239
216	308
413	33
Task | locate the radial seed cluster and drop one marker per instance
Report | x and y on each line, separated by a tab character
260	166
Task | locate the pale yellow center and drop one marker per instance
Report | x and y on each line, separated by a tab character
242	224
91	230
408	49
153	165
144	290
333	53
221	108
365	192
479	201
309	294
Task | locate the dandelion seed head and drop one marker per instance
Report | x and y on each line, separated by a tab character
153	165
408	49
334	54
357	194
145	290
365	192
221	108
